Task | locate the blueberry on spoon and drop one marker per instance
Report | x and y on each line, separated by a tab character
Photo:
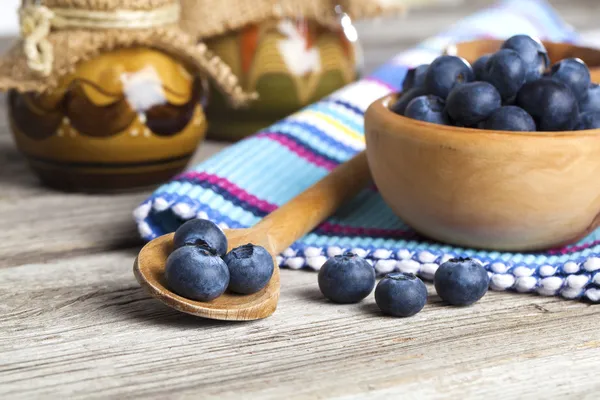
250	268
201	232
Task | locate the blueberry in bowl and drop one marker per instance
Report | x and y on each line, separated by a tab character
510	170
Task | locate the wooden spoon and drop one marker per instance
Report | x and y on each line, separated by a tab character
276	232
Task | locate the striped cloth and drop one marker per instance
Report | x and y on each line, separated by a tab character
248	180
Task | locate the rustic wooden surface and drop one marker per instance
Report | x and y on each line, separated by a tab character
75	324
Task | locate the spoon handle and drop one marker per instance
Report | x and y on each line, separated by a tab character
303	213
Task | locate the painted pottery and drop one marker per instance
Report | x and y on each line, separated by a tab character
127	118
290	63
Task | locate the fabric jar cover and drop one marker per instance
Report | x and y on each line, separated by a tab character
245	182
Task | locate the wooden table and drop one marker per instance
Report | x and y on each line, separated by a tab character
74	323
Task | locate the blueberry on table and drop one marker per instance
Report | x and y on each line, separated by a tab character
551	104
346	278
575	74
401	295
415	77
507	71
201	232
461	281
196	273
533	53
479	66
591	102
446	72
588	120
472	103
509	118
399	107
250	268
427	109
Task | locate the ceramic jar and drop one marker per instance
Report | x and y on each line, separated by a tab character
127	118
289	62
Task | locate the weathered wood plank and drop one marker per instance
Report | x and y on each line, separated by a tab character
80	326
83	328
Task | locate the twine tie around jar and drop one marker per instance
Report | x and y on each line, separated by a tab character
37	21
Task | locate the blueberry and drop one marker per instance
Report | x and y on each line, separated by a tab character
509	118
472	103
428	109
591	102
401	295
346	278
196	273
533	53
551	104
201	232
461	281
588	120
506	70
415	77
399	107
479	66
575	74
250	268
445	73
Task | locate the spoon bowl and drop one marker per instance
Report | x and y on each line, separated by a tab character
149	270
275	233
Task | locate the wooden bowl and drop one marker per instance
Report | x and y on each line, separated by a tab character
485	189
472	50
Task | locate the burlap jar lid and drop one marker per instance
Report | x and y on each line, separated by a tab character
56	35
206	18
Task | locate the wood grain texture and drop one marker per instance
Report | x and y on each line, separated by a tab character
75	323
83	328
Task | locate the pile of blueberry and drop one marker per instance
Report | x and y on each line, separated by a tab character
514	89
200	268
348	278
